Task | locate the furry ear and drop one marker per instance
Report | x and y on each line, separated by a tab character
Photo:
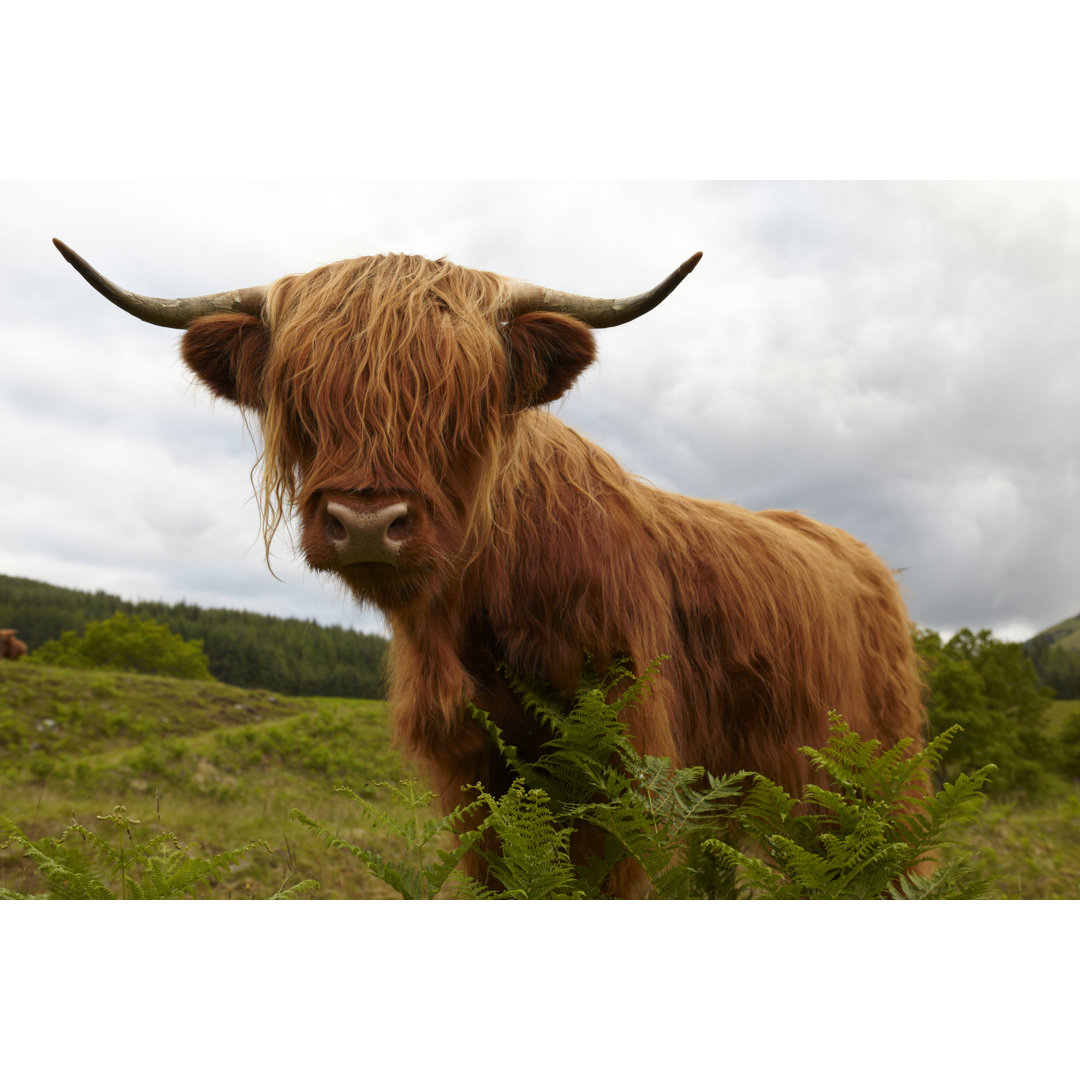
227	353
547	353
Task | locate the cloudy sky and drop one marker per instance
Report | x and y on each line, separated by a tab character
897	357
901	359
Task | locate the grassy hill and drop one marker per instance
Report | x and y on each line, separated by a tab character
217	765
1056	655
1065	633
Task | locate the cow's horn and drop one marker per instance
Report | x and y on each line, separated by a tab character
594	312
177	314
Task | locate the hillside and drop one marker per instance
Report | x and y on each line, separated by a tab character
1065	633
216	765
291	656
1056	655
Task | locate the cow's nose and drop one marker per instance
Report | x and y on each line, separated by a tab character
367	535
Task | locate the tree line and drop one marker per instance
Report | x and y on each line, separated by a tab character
972	673
291	656
994	692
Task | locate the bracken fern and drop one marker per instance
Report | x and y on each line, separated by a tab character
648	810
158	868
859	838
416	877
587	773
688	830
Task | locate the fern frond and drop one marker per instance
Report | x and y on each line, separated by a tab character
411	877
290	893
532	860
157	868
69	873
543	702
952	881
858	838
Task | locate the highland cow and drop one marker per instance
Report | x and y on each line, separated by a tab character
401	406
11	648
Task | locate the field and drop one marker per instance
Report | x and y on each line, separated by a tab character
220	767
1032	851
216	765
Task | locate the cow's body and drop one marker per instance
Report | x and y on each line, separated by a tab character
401	406
11	648
771	620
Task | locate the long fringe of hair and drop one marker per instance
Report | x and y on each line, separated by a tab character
388	374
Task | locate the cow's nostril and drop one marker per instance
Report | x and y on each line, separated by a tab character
398	529
335	530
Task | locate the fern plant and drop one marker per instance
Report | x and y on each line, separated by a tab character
415	877
532	856
647	810
588	773
157	868
687	830
535	864
858	838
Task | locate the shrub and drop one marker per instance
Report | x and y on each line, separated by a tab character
127	643
1070	741
991	691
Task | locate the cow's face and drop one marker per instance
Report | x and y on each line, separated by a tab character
385	389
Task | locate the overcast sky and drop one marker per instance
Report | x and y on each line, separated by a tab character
899	358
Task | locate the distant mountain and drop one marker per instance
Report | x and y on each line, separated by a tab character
292	656
1065	634
1056	655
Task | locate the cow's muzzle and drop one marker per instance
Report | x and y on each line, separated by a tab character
348	531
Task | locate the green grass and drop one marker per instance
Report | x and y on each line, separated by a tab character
1032	846
1033	850
1057	713
216	765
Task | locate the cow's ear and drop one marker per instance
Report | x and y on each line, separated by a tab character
227	353
547	353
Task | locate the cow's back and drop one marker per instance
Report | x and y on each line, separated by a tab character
771	619
779	620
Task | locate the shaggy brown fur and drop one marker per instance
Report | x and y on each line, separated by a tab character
11	648
396	381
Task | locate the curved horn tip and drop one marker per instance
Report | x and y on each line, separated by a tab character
72	256
691	262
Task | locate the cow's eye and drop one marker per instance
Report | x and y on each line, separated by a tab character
301	436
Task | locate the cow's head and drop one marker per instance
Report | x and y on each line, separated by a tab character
385	388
